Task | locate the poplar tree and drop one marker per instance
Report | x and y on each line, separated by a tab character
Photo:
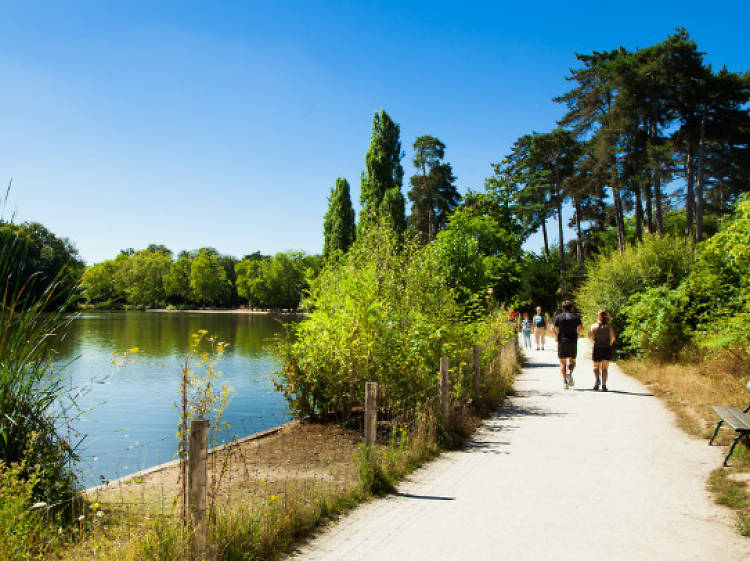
338	224
383	174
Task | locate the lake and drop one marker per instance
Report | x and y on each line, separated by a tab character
129	416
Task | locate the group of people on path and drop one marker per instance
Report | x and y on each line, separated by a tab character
567	328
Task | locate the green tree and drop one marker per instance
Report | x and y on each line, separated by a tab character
544	163
481	248
98	283
208	279
338	224
250	284
383	173
177	280
433	193
140	276
285	277
45	255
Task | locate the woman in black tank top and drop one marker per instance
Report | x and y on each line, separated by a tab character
602	334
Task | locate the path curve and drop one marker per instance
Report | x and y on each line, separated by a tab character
554	475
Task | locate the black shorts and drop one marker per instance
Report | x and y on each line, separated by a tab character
601	353
567	349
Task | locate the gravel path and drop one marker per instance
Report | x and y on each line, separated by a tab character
554	475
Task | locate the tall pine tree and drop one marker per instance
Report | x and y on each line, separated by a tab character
433	193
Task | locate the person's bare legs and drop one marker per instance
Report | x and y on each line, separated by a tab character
596	375
564	371
605	366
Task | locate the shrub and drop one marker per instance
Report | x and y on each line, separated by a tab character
382	313
720	288
613	279
656	322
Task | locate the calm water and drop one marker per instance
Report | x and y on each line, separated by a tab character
129	418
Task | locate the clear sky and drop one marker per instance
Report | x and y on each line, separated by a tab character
226	124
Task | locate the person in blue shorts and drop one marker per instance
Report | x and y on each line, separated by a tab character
567	329
526	330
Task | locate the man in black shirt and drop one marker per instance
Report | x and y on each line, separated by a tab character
567	328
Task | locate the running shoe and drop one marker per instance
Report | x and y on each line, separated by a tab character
604	388
596	386
569	380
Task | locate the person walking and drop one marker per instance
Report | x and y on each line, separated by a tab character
603	336
540	327
567	329
526	331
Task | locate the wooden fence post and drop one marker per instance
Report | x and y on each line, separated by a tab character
477	373
445	405
197	454
371	413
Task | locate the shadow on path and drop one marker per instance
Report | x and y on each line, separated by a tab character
640	394
515	408
423	497
484	447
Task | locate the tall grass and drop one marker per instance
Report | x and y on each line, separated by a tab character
32	319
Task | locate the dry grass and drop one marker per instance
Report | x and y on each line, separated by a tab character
690	389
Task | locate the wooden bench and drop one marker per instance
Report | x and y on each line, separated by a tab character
737	419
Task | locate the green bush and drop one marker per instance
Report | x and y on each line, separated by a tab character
383	313
719	287
613	279
656	322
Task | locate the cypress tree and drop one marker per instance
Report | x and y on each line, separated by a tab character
338	224
383	174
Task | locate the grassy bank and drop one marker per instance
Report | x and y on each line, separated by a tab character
690	389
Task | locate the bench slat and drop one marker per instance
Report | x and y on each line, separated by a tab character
734	417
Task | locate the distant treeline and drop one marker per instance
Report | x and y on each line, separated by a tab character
153	277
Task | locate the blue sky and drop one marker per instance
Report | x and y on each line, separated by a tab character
226	124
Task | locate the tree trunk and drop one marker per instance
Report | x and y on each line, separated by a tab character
649	203
700	183
638	214
426	192
656	173
579	236
546	241
560	236
619	219
562	245
690	195
657	201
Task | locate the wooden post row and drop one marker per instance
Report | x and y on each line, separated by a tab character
444	389
197	454
371	413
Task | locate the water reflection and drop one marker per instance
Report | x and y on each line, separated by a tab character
130	419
